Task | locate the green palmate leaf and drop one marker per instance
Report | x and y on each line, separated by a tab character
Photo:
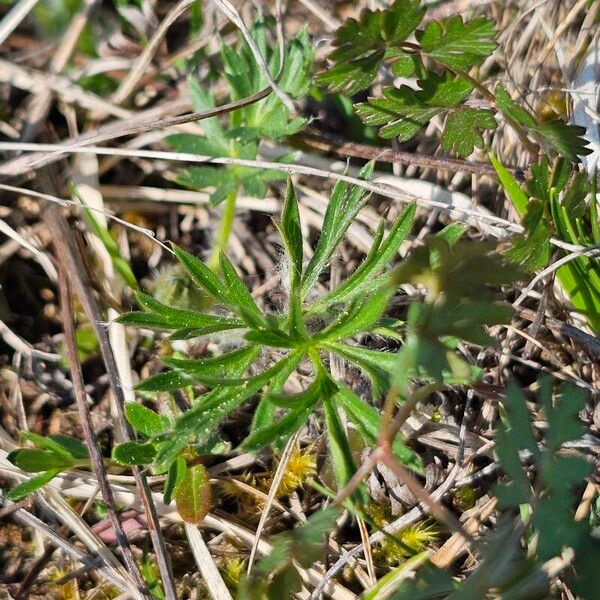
360	317
144	420
367	422
361	45
238	294
566	139
34	461
462	130
193	495
248	125
134	453
404	111
31	485
365	279
201	274
344	204
457	44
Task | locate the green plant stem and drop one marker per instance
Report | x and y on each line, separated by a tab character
224	233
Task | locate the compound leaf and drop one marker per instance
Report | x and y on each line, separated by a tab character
462	129
457	44
361	45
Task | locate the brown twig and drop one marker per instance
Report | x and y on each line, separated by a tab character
71	262
113	131
66	309
588	342
353	149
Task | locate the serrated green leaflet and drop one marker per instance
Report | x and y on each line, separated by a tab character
403	111
361	45
566	139
457	44
463	127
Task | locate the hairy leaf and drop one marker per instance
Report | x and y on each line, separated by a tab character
193	495
31	485
144	420
134	453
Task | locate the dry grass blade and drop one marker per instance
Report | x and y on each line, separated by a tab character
133	76
206	564
12	20
88	431
29	520
72	263
469	215
264	515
